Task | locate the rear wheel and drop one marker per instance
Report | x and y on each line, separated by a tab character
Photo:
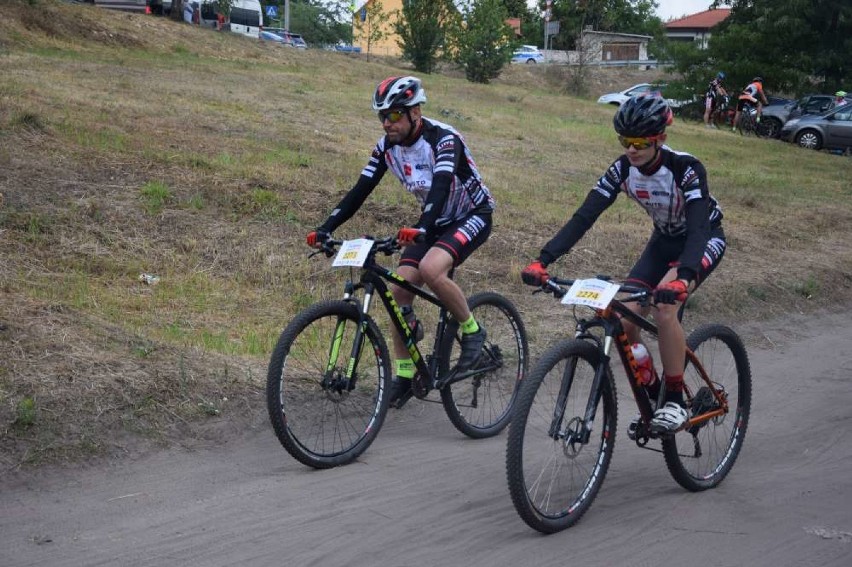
701	456
770	127
322	420
555	461
481	405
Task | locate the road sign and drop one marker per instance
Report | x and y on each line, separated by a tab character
551	28
272	11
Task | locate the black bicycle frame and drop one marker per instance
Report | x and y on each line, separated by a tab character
373	277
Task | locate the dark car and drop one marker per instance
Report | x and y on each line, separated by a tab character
775	116
831	130
290	38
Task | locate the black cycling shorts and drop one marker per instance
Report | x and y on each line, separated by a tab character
661	254
742	102
459	239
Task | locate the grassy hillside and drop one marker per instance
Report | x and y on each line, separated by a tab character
131	144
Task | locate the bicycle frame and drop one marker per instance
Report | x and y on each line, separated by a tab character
609	319
372	281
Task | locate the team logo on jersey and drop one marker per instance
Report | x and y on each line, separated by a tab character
447	144
406	167
643	194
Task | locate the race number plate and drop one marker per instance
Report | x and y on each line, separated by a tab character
592	293
353	253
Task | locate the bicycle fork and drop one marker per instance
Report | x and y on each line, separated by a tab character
333	379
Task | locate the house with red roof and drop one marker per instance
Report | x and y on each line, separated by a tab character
696	27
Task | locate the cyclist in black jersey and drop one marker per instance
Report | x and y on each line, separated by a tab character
685	247
433	162
713	98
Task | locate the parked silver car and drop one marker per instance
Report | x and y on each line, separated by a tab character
775	116
831	129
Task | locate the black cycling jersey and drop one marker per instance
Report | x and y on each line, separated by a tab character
713	88
437	169
673	192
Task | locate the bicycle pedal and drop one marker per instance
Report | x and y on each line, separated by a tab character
403	399
419	387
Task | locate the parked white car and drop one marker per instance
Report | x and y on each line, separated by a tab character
528	54
641	89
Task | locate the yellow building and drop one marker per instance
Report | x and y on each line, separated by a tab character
363	24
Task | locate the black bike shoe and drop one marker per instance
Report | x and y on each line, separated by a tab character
400	392
471	348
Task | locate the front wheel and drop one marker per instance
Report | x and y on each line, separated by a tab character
701	456
322	419
556	461
481	405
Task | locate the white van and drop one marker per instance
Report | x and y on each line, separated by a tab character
247	17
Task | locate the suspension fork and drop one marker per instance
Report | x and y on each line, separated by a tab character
350	375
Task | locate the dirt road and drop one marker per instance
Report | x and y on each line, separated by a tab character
423	495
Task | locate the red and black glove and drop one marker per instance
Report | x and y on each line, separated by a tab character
671	292
316	238
408	236
535	274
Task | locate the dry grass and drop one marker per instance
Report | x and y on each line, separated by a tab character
132	144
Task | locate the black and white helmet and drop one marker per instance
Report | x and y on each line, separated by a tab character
395	92
642	117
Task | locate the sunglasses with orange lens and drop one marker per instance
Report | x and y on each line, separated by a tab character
392	116
638	143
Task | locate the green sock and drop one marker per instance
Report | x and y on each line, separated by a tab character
405	368
469	326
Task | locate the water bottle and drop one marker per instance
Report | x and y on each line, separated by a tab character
413	322
647	376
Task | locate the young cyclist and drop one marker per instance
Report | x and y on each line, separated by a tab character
713	97
686	245
434	164
752	94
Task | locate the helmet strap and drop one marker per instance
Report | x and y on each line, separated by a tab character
414	131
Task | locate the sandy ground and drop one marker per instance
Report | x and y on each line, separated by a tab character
424	495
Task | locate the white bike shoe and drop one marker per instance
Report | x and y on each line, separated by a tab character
669	418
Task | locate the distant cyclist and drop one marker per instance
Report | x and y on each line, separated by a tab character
752	95
713	98
839	99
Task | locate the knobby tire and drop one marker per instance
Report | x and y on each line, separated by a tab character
481	406
324	427
553	483
701	458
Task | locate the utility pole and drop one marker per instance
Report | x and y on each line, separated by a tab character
287	15
548	12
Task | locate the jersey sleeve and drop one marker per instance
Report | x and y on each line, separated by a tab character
352	201
693	182
597	201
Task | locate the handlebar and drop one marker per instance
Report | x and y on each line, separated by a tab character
387	246
555	285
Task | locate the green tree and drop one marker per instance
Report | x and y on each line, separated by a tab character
483	42
421	28
618	16
319	22
372	28
796	45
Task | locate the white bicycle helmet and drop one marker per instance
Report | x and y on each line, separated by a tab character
395	92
